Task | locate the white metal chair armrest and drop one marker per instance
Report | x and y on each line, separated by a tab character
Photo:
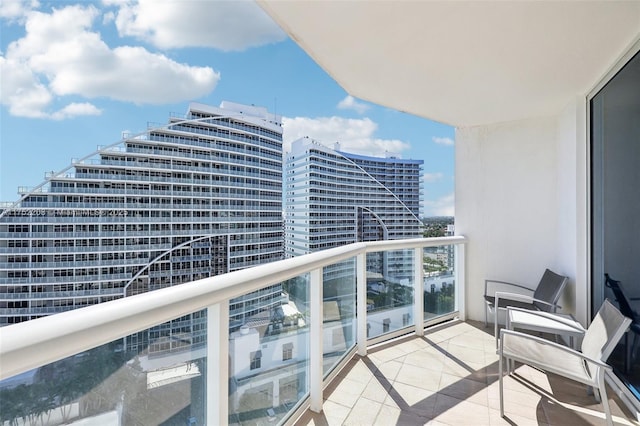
521	298
507	283
513	296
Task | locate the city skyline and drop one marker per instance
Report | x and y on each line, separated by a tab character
45	91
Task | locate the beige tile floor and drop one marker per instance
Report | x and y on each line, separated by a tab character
450	377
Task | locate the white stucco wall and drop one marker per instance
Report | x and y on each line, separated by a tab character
573	188
510	187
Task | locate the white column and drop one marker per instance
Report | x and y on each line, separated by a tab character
218	364
315	343
361	303
418	289
461	286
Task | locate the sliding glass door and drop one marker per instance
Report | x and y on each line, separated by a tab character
615	196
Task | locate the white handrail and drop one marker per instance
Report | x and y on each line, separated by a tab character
34	343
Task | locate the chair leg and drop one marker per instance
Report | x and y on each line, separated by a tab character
501	385
495	325
603	397
591	390
486	309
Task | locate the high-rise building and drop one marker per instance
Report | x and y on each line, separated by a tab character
334	198
199	196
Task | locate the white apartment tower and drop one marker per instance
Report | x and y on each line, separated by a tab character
334	198
199	196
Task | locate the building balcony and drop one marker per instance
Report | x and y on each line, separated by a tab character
449	376
342	346
175	347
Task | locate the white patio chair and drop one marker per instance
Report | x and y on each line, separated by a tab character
587	366
543	298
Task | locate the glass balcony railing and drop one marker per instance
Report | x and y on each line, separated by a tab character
270	359
338	312
171	356
390	291
439	282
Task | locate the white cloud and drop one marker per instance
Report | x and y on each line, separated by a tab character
355	135
442	141
16	9
75	109
21	90
432	177
350	103
60	56
443	206
224	25
108	18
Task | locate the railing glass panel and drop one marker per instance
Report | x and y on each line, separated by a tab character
390	291
339	311
439	281
269	359
112	384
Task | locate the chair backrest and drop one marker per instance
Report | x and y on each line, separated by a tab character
604	332
622	300
549	289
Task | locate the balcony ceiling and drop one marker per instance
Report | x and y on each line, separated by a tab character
463	63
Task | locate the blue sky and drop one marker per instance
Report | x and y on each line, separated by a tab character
76	75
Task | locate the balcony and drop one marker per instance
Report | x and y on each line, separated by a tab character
543	165
157	350
449	376
342	347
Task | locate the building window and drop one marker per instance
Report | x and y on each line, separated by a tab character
405	319
287	351
337	337
289	391
255	359
385	325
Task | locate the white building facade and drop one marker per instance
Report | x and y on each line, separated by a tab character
198	197
333	198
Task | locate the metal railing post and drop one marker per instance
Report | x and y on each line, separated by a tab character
361	303
315	344
217	390
418	286
460	275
